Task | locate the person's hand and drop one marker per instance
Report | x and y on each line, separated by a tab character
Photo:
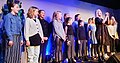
45	38
78	41
10	43
27	43
68	42
64	38
21	43
42	40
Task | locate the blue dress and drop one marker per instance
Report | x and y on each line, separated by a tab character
92	28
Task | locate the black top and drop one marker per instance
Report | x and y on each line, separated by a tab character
81	33
69	30
45	27
98	22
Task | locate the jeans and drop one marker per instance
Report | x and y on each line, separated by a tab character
33	54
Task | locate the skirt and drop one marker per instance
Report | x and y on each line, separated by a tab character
12	53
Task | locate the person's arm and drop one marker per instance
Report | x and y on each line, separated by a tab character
7	26
105	19
78	33
66	30
41	32
26	29
89	31
21	30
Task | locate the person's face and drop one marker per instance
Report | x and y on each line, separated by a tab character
15	9
90	22
59	15
79	17
70	21
100	13
42	14
36	12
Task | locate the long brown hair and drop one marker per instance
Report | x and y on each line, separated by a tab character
31	11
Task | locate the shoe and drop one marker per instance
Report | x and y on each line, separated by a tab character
66	60
73	60
82	61
106	56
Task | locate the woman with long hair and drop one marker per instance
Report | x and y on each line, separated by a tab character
58	34
33	34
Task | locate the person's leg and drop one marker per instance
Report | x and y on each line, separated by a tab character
30	54
36	54
80	49
44	52
69	51
56	49
60	51
73	48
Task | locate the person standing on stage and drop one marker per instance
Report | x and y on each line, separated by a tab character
58	34
46	33
33	34
75	26
13	35
93	50
70	40
99	22
82	40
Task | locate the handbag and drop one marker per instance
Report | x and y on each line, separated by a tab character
35	40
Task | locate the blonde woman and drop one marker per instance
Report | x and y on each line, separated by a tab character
33	35
58	34
99	22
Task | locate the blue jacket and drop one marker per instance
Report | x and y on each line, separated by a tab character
13	25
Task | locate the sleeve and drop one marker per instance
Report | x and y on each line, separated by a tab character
7	26
21	29
78	33
49	28
40	29
89	28
26	29
21	37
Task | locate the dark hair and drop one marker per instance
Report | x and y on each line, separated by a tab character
76	16
65	15
79	21
12	4
40	11
67	19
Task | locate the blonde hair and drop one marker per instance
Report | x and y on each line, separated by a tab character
97	12
54	17
31	11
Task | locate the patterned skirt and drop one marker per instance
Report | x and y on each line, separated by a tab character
12	53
